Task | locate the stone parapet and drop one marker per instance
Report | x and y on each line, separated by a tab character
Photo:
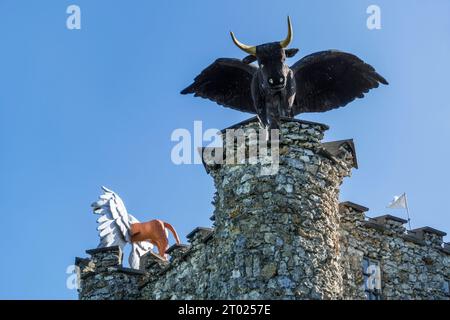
281	234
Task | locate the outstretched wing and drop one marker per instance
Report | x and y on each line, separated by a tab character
331	79
227	81
114	223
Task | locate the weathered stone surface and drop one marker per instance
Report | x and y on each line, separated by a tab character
281	236
410	267
103	278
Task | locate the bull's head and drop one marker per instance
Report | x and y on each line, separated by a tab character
271	57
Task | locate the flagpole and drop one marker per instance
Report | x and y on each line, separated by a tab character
407	210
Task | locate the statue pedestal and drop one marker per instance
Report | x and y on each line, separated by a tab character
278	233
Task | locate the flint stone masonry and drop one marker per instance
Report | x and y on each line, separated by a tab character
281	236
414	265
103	278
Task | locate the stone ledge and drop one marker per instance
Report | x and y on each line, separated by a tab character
421	231
411	238
283	119
333	148
81	261
354	206
384	218
102	250
374	225
153	257
203	230
177	247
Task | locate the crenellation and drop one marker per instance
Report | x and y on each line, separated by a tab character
102	277
198	235
177	250
413	238
409	266
351	213
82	262
356	207
283	236
104	258
392	223
370	223
430	236
343	150
152	262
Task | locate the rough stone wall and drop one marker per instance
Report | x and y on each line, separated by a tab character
277	233
414	265
103	278
191	273
281	236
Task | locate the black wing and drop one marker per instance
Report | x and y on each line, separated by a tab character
226	81
331	79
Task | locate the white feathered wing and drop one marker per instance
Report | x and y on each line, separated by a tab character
115	224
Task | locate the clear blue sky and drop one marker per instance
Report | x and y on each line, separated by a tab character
96	106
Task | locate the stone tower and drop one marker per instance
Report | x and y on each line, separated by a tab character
277	234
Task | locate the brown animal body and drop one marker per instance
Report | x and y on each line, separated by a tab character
155	232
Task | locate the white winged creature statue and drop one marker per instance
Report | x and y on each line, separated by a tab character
115	226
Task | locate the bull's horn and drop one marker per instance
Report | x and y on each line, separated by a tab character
249	49
288	39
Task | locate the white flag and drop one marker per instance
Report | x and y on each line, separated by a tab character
399	202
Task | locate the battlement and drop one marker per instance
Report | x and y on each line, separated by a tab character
392	225
158	277
102	276
413	264
281	236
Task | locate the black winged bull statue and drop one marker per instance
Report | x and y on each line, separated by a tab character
316	83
